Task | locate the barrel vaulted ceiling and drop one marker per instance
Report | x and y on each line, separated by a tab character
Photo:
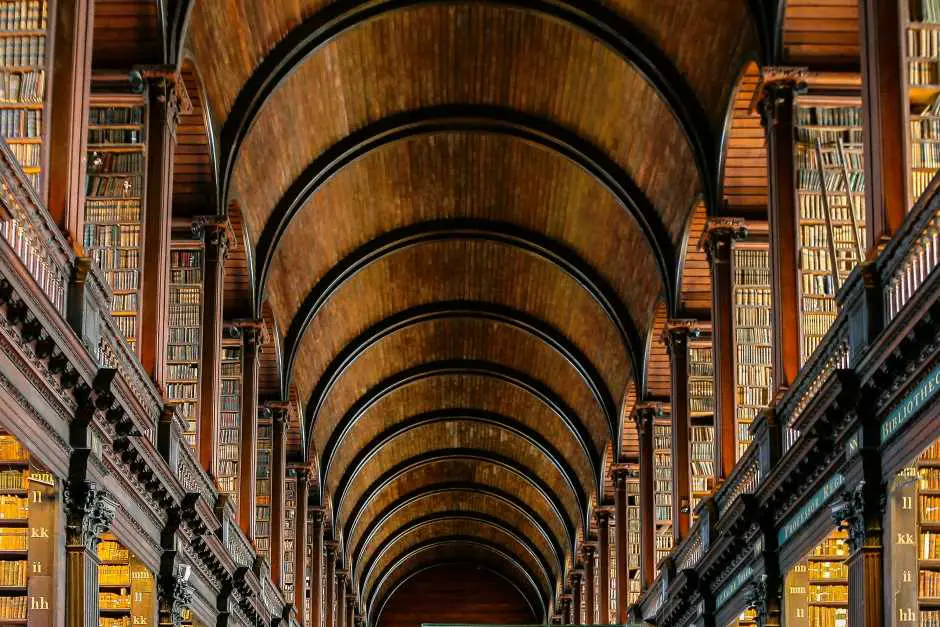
461	216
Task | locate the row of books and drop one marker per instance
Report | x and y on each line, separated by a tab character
13	507
20	123
186	276
229	420
109	235
928	478
112	210
23	51
182	391
182	372
13	608
115	115
177	352
14	538
925	129
662	438
757	334
185	335
23	87
829	116
114	186
812	180
124	302
811	208
930	545
231	386
820	571
114	621
925	155
925	11
123	280
104	162
753	355
831	158
820	616
754	377
186	296
110	551
114	136
114	575
27	155
184	315
929	508
817	284
919	182
928	584
929	618
11	451
114	600
18	15
230	404
831	547
14	479
13	573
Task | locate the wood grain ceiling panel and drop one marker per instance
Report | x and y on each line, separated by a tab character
462	270
423	534
745	164
458	400
821	31
695	291
457	501
440	474
658	373
629	439
460	175
461	436
474	54
126	31
194	192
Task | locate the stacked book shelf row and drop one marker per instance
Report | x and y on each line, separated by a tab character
185	332
662	490
263	489
230	419
817	587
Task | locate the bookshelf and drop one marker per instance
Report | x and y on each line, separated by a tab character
922	58
701	414
28	540
230	418
308	575
184	320
753	351
662	490
263	488
126	591
612	573
114	191
817	588
290	537
24	63
831	208
633	538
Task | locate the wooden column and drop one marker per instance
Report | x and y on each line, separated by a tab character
644	416
278	478
776	106
620	474
316	569
719	240
883	96
214	231
566	609
300	546
252	339
676	336
589	605
166	95
89	511
340	583
329	585
350	608
68	116
576	598
603	565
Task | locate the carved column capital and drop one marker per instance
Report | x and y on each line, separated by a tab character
777	84
588	550
755	598
676	334
622	472
89	512
858	512
216	231
165	86
330	547
719	235
645	415
602	516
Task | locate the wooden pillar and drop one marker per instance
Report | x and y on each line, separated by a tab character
576	598
300	547
589	606
252	338
329	585
68	116
603	565
316	568
886	181
777	108
350	608
278	478
620	474
566	609
340	583
676	337
166	96
89	511
215	233
720	236
644	416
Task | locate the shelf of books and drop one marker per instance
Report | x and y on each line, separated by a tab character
263	488
922	56
230	418
184	319
126	591
290	537
701	413
308	571
662	490
747	618
817	587
831	207
114	202
23	60
915	523
28	510
753	352
612	573
633	537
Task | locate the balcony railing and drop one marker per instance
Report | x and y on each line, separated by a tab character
745	478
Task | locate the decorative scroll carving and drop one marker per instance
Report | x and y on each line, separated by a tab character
89	511
779	83
755	598
854	511
719	235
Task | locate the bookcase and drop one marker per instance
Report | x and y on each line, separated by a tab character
290	537
230	415
922	57
753	352
831	207
633	538
114	192
701	416
24	64
28	537
185	334
662	490
308	576
263	488
817	587
126	591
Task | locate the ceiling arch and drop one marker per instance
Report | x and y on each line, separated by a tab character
458	525
456	550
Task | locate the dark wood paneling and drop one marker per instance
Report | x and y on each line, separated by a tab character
127	32
821	31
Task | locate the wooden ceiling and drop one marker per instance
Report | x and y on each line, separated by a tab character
465	221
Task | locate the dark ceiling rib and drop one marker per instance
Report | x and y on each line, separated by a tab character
434	491
458	367
543	596
444	230
469	119
535	439
176	23
476	455
548	573
620	35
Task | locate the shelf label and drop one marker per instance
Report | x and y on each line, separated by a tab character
912	402
796	522
725	594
